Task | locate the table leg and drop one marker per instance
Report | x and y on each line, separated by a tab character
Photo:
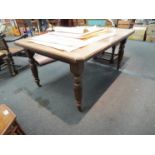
112	55
33	67
121	53
77	70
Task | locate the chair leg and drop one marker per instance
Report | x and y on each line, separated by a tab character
10	67
12	64
1	63
19	130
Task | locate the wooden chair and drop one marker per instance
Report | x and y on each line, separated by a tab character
8	123
42	60
28	26
7	52
24	26
67	22
35	25
5	60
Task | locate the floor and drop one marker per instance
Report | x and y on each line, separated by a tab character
115	102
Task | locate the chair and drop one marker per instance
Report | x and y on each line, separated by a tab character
67	22
35	25
7	53
5	60
8	123
28	26
42	60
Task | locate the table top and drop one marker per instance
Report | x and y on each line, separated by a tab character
7	117
81	54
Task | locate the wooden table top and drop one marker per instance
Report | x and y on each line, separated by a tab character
7	117
81	54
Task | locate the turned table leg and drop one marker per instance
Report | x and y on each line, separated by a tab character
77	70
112	55
121	53
33	67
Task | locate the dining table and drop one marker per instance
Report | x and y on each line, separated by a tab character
76	58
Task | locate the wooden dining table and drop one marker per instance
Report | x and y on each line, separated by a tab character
77	58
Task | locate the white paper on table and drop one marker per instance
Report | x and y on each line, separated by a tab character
66	43
49	38
78	29
71	35
58	46
75	32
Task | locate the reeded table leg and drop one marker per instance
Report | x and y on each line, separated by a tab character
77	70
33	67
121	53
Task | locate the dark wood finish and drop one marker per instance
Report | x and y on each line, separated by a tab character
66	22
112	54
7	58
70	22
21	23
10	58
19	130
121	53
8	52
11	66
77	70
33	67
